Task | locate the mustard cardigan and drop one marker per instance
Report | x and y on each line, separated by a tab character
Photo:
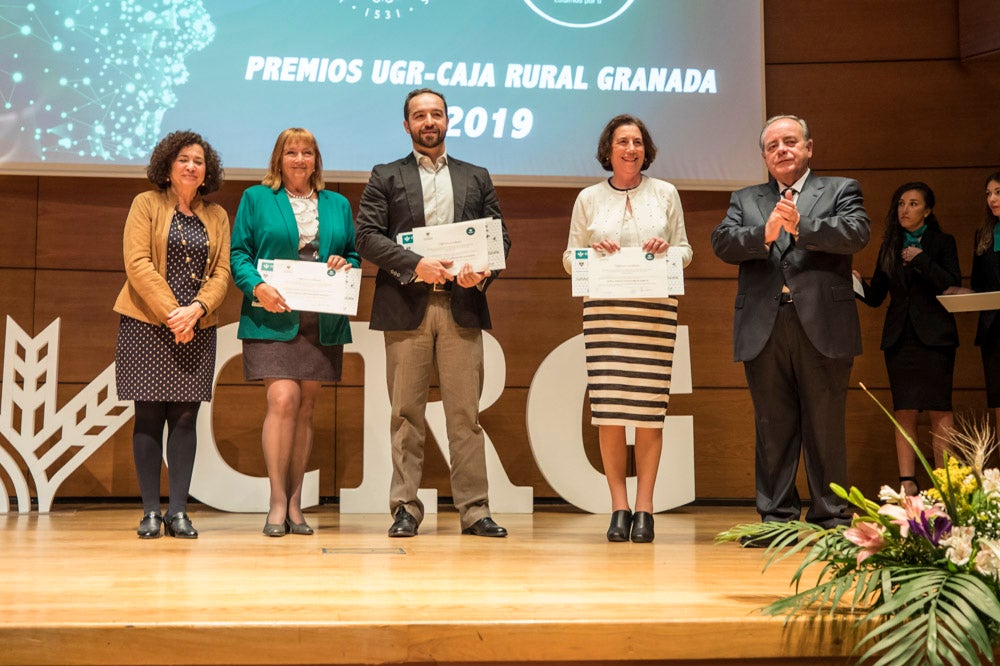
146	296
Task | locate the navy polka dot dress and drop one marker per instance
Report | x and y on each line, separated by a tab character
149	365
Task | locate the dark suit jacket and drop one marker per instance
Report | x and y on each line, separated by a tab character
833	226
986	277
265	228
914	293
393	202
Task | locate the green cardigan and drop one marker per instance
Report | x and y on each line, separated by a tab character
265	228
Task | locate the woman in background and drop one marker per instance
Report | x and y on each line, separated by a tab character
986	277
629	341
176	248
916	263
290	216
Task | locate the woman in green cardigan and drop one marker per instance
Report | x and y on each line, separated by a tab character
290	216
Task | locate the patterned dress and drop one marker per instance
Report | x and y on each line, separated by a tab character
149	365
629	342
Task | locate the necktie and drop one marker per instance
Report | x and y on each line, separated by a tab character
784	239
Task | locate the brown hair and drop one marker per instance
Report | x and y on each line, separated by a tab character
608	133
984	234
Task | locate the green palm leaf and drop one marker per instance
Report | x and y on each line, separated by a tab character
932	616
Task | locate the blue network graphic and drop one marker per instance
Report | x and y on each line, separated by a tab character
90	81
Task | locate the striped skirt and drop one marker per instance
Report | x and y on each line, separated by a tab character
630	352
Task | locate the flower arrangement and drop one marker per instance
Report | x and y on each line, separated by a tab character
922	572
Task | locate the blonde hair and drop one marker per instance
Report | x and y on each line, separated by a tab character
273	177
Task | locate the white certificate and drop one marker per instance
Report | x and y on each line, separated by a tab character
462	242
310	286
628	273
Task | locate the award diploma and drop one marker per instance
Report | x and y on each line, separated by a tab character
628	273
310	286
478	243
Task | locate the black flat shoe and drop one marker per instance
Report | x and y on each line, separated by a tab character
642	527
179	526
149	526
404	524
621	523
485	527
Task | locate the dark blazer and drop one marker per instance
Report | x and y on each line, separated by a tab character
986	277
914	293
816	267
393	202
265	228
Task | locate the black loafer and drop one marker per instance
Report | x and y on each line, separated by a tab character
404	524
149	526
762	541
485	527
179	525
621	523
642	527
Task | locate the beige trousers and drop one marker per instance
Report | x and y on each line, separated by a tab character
457	353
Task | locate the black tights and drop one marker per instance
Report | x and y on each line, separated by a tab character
181	419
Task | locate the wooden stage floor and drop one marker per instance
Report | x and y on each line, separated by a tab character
78	587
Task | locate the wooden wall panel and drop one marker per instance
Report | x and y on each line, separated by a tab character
892	115
888	101
979	29
18	221
859	30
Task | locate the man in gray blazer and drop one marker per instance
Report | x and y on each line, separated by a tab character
796	323
430	316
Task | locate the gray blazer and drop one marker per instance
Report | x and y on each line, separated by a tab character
816	267
393	202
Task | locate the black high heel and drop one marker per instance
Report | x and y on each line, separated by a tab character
621	521
149	526
179	526
912	479
642	527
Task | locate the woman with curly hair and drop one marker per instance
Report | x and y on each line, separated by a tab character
176	248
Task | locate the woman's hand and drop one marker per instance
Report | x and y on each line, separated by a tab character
655	245
270	299
184	318
337	263
606	247
184	337
951	291
909	253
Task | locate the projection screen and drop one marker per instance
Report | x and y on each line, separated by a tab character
87	88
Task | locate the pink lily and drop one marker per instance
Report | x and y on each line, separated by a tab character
868	535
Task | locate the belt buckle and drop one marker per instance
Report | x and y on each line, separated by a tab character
440	288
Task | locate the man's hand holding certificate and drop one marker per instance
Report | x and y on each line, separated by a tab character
630	272
478	243
311	286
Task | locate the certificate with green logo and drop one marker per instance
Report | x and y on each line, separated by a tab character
310	286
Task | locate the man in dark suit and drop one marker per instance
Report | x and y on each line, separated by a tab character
430	316
796	323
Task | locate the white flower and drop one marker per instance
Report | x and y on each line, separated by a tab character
959	544
991	482
988	559
887	494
